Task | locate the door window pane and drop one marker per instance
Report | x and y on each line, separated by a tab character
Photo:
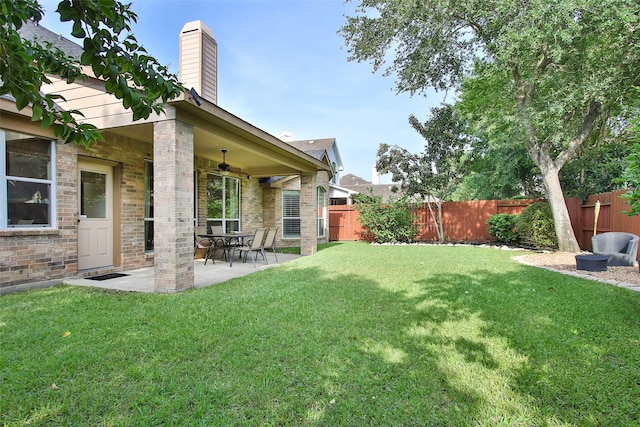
148	205
215	197
93	193
223	202
232	198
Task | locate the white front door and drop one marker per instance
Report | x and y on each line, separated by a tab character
95	215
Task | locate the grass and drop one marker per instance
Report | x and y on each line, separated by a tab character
355	335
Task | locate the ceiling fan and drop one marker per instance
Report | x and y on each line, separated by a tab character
226	168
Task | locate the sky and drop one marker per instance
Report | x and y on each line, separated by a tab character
283	67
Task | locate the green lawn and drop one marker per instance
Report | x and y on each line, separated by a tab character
355	335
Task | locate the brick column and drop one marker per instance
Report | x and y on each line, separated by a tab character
308	214
173	206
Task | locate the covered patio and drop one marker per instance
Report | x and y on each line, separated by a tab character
142	279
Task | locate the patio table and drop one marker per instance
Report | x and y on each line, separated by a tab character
228	238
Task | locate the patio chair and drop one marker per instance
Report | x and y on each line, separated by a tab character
201	244
254	245
270	240
217	244
622	248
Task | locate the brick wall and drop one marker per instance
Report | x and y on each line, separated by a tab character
173	206
251	210
308	214
39	257
30	258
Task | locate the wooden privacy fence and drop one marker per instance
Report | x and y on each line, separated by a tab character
611	217
463	221
466	221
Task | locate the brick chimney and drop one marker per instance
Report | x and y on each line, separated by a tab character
199	60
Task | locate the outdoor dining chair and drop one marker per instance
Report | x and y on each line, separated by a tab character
201	244
270	241
253	246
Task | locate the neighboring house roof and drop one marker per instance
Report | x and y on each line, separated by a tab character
33	31
360	185
350	179
317	147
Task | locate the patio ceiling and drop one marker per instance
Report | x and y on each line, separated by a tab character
250	149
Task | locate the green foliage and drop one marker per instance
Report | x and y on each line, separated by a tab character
548	74
443	163
535	226
389	222
596	168
502	227
110	50
501	169
434	173
631	173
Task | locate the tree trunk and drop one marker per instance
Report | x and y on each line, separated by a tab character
567	241
437	220
540	152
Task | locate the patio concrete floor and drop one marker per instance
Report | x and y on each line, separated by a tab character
141	280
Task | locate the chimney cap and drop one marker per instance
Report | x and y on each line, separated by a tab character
196	25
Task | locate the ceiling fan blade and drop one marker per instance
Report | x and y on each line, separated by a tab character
236	171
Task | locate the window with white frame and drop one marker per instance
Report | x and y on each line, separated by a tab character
27	179
322	212
148	205
290	214
223	202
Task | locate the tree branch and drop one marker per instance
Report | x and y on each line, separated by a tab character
588	123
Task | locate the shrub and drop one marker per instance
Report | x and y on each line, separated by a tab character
390	222
535	226
502	227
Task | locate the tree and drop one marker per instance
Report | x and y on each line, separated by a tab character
433	174
595	168
631	174
501	168
556	70
110	51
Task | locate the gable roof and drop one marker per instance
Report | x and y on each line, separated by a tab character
350	179
313	144
316	148
249	148
33	31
